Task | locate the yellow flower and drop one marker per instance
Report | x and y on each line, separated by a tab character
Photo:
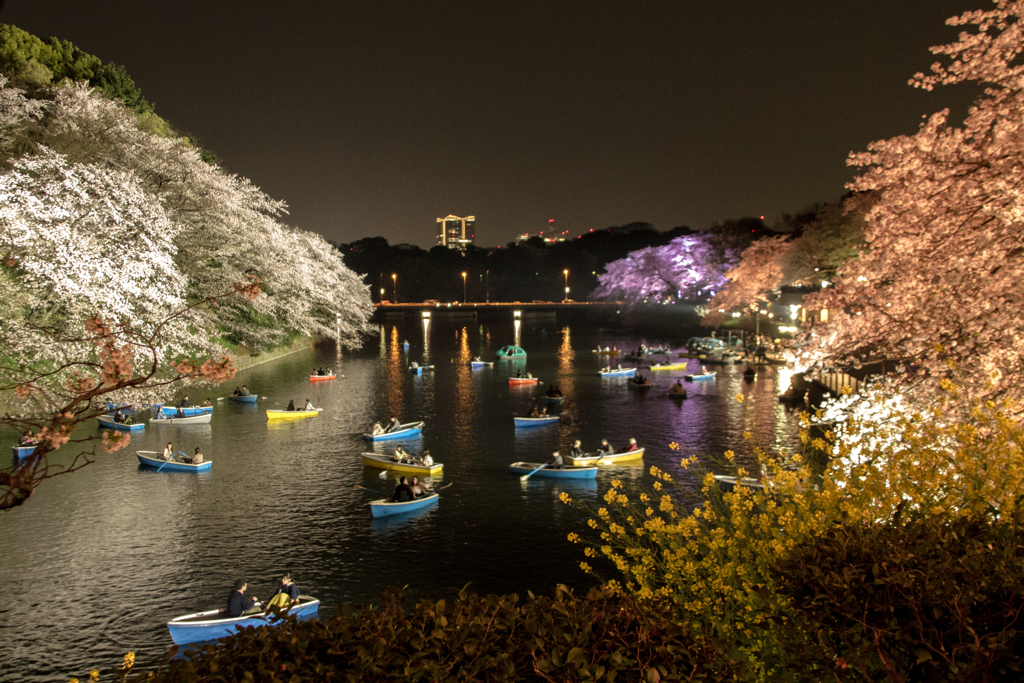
739	398
729	455
573	538
565	498
616	483
583	565
72	680
674	446
746	435
94	675
129	661
657	486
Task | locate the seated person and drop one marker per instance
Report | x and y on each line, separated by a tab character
245	391
239	603
185	402
534	412
27	439
287	594
703	370
378	429
197	457
552	391
577	450
677	388
606	447
207	404
118	415
519	373
556	461
427	461
544	411
394	425
529	375
414	365
328	373
419	489
477	359
309	405
169	451
291	405
632	445
321	372
403	492
237	392
558	392
400	454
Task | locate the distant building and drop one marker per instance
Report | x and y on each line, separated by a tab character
455	232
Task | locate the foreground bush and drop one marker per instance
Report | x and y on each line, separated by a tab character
602	637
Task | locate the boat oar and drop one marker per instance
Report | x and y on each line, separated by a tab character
166	461
370	490
527	476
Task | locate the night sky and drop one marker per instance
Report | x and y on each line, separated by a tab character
375	118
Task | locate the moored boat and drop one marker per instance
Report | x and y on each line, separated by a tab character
605	458
387	462
251	398
699	376
154	459
201	419
386	508
291	414
521	468
203	626
535	421
618	372
511	351
406	430
321	378
108	422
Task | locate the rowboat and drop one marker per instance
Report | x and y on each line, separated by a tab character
107	421
203	626
669	366
606	352
620	372
522	380
418	370
699	376
605	458
403	431
677	394
386	462
162	419
405	345
535	421
189	411
511	351
22	451
153	459
243	399
638	385
728	483
321	378
480	364
291	414
659	352
386	508
552	400
564	473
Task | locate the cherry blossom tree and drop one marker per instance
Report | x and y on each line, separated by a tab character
688	267
758	273
940	283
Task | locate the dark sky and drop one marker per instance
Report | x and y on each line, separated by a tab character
374	118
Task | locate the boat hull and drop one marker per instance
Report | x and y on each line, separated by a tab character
518	381
511	352
243	399
669	366
700	377
476	364
419	369
322	378
194	628
203	419
107	422
521	468
171	411
151	459
536	421
637	385
22	451
386	462
385	508
404	431
593	459
625	372
274	415
552	400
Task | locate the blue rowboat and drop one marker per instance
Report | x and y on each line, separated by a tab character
535	421
203	626
153	459
243	399
418	370
564	473
403	431
699	376
191	411
107	422
511	351
475	364
22	451
624	372
385	508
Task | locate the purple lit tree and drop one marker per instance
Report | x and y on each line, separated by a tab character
689	267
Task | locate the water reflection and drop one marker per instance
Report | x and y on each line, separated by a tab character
426	338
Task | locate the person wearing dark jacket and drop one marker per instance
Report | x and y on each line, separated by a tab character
238	602
403	492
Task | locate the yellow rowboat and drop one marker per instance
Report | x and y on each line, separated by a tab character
603	459
387	462
291	414
669	366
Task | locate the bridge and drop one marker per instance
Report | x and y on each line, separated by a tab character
497	309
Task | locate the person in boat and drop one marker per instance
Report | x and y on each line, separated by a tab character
552	392
378	429
558	392
544	411
606	447
419	489
403	492
519	373
169	451
400	454
414	365
237	392
309	405
577	450
427	461
197	458
291	405
556	461
118	415
239	603
394	425
245	391
185	402
632	445
677	388
529	375
534	412
321	372
27	439
287	594
207	404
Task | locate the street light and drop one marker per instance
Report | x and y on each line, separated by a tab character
487	284
566	272
394	281
463	287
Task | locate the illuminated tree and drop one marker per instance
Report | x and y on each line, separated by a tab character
940	282
688	267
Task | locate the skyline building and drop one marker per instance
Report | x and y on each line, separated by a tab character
456	232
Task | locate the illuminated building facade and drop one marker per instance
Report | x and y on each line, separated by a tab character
455	232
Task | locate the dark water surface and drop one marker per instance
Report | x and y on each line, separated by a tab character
97	561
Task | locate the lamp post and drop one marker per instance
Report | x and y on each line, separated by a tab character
463	287
394	282
487	284
566	272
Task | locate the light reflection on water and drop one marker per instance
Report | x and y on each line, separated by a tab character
98	561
